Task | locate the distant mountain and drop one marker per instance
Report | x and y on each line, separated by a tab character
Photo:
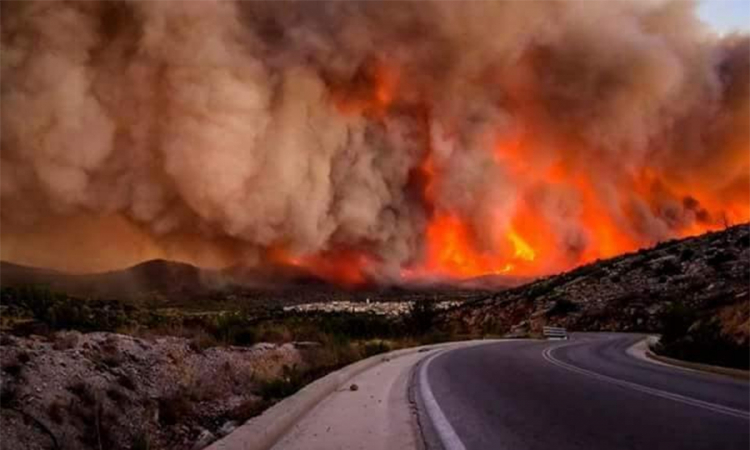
171	280
156	276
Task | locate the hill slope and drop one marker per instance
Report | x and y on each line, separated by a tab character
694	291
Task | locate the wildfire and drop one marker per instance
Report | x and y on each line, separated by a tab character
344	267
527	241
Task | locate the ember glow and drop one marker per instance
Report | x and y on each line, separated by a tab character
367	141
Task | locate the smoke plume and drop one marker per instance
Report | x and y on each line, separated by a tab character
456	138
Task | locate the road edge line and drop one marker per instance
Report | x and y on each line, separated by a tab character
445	431
721	409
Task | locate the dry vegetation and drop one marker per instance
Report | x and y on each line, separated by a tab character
167	379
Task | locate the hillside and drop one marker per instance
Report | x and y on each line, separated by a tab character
694	291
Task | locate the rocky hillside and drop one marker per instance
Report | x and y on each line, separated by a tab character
694	291
106	390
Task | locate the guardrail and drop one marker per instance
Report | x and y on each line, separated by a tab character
555	333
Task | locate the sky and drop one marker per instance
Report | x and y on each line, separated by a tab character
726	16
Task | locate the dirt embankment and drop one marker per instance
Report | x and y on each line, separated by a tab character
112	391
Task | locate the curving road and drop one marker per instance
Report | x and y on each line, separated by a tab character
586	393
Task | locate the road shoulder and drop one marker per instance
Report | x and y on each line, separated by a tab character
377	415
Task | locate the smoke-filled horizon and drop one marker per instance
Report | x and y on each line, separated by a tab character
385	140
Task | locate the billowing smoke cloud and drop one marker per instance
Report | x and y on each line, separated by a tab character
322	127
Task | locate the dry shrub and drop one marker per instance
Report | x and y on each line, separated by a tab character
127	381
117	396
96	420
174	408
248	409
140	441
276	333
376	347
84	392
331	355
56	411
8	393
109	353
23	357
6	339
201	340
66	340
13	368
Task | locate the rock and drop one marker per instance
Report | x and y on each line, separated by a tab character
538	314
353	387
204	439
519	330
227	428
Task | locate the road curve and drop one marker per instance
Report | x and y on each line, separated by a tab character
586	393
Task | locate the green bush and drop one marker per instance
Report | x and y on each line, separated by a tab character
291	381
62	312
675	321
234	329
271	332
375	348
140	441
562	307
420	318
686	337
350	326
173	409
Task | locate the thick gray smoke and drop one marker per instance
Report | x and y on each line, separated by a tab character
245	126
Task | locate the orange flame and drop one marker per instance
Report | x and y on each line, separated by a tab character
345	267
371	92
453	251
535	247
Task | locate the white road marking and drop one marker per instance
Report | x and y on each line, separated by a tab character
547	354
445	431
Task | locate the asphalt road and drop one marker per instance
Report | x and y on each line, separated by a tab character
586	393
